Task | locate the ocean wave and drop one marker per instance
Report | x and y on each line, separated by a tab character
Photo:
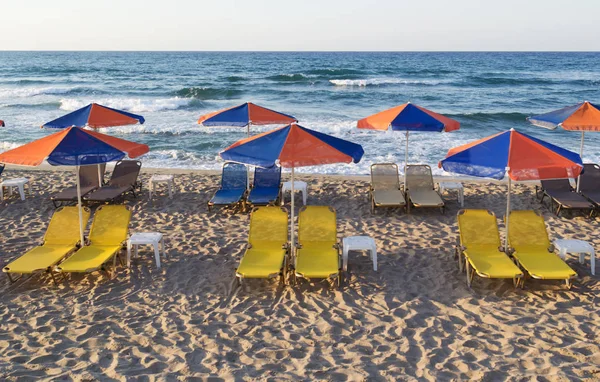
490	117
5	146
47	90
205	93
383	81
296	77
131	104
335	72
235	79
43	105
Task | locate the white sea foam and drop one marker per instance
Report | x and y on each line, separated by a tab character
5	146
383	81
33	91
130	104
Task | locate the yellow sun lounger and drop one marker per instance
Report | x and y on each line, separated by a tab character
267	244
107	235
317	255
62	237
528	240
481	248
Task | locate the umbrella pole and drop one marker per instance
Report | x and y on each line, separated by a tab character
581	155
293	239
79	207
248	172
507	213
405	160
99	176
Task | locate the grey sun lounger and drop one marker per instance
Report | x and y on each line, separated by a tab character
562	194
234	182
420	189
88	176
589	183
385	188
122	181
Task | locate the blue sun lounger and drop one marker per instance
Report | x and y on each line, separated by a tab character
266	186
234	182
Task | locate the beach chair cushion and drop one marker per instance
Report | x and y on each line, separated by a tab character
385	185
268	236
425	198
89	258
61	238
528	236
479	236
122	180
561	192
229	196
263	195
39	259
109	230
262	261
317	256
386	198
419	181
317	260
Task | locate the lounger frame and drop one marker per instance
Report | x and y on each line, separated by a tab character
372	189
283	271
333	277
541	192
464	263
409	202
241	202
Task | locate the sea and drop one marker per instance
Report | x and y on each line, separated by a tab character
487	92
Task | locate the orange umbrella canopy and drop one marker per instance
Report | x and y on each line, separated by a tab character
73	146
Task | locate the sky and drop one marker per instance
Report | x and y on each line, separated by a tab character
301	25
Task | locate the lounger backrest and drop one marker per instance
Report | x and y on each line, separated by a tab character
64	226
2	165
478	228
526	229
268	224
384	176
110	225
267	177
234	177
557	185
317	224
89	174
418	177
125	173
590	178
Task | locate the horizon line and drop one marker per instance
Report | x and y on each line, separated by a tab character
294	51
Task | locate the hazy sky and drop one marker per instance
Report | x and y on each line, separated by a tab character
300	25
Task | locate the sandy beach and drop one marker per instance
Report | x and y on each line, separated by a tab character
413	319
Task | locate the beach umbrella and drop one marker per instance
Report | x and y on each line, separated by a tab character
292	146
245	115
514	155
582	117
408	117
95	116
77	147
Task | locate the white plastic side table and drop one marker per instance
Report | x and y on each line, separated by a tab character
146	238
359	243
580	247
155	179
444	186
298	186
19	183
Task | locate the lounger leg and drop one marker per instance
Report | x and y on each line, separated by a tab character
53	278
569	283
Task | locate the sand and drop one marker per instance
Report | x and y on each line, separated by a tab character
413	319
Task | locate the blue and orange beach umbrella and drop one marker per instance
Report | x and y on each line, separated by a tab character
77	147
582	117
245	115
292	146
514	155
95	116
408	117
